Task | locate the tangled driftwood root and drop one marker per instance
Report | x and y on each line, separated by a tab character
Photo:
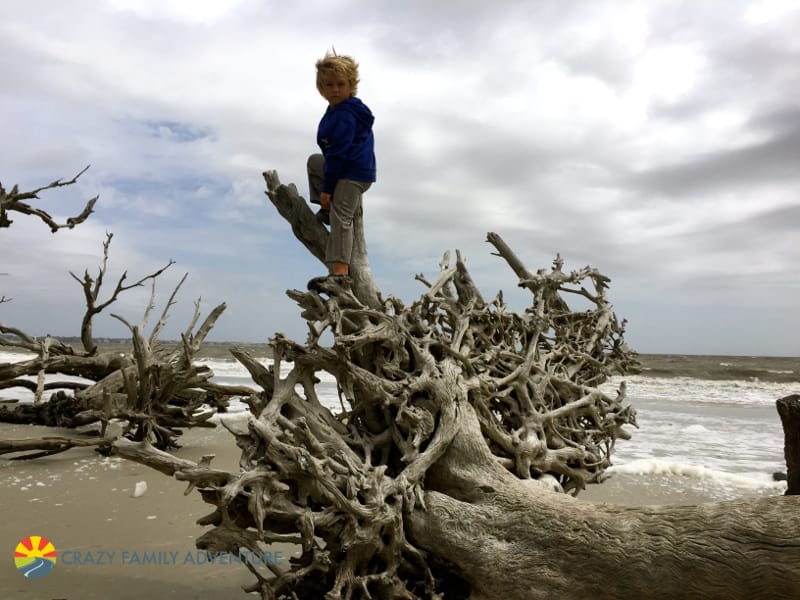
343	485
436	477
155	389
458	419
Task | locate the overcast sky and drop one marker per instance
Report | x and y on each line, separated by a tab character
657	141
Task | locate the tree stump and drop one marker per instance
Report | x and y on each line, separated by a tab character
789	411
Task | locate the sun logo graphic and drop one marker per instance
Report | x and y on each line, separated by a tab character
35	556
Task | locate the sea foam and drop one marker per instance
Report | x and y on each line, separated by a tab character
655	466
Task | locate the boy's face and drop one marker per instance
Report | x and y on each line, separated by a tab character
335	88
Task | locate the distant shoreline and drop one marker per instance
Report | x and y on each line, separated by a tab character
773	369
106	342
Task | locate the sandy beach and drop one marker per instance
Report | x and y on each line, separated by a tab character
85	505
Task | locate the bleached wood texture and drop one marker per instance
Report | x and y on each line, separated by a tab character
465	432
157	389
458	419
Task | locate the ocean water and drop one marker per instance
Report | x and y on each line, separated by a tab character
706	424
723	438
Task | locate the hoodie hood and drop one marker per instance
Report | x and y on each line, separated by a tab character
360	110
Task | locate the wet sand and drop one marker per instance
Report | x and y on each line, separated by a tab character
85	505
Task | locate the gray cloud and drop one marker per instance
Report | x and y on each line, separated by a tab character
658	142
773	161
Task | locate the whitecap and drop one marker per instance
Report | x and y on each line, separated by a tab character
654	466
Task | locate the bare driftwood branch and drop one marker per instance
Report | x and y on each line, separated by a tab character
16	201
47	446
91	291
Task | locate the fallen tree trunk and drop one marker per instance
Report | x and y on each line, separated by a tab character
93	368
61	410
514	542
156	390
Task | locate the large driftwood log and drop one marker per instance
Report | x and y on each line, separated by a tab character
157	390
514	542
459	418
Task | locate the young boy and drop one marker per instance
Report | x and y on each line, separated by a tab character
346	168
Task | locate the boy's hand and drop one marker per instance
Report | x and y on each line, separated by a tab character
325	201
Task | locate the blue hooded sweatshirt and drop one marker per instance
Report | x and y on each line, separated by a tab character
345	137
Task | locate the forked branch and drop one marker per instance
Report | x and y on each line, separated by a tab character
16	201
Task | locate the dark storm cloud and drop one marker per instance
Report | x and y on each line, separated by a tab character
775	161
764	229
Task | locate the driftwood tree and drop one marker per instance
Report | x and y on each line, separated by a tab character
155	388
460	420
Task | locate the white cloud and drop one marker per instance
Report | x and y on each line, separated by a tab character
194	11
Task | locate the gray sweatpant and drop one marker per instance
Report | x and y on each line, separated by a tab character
346	209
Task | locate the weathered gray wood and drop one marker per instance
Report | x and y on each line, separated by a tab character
789	411
91	287
156	389
314	236
459	418
16	201
454	411
47	446
513	541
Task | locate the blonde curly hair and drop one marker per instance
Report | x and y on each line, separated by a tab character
339	65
